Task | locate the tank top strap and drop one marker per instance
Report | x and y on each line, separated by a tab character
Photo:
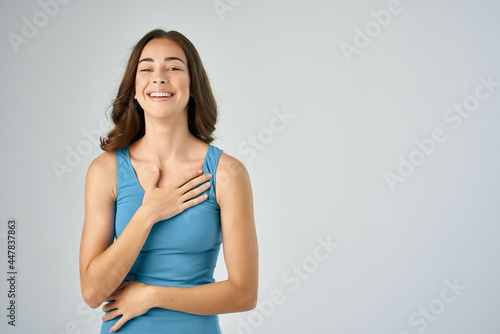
210	167
124	172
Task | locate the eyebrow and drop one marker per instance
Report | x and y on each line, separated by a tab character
166	59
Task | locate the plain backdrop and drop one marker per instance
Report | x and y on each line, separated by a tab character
369	129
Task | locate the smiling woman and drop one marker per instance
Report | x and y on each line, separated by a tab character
128	114
161	200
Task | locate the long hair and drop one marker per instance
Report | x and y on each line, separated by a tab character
128	116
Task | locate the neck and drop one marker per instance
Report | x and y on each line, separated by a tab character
166	140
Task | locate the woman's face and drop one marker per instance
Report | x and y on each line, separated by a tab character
162	79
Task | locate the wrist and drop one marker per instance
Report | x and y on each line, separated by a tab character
146	216
151	295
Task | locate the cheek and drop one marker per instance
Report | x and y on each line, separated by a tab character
186	82
139	87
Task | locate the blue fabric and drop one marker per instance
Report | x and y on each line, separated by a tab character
181	251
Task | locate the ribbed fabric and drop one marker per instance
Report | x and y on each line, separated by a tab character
181	251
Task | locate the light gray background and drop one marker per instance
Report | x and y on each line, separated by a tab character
319	174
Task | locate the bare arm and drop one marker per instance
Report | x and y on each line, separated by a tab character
104	263
236	294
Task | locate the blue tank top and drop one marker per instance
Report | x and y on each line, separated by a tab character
180	251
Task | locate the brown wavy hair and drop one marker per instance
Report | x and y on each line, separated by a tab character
128	116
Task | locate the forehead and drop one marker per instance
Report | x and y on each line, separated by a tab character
160	48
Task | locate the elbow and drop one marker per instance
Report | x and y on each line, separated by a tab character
91	293
248	300
90	297
92	302
250	305
244	295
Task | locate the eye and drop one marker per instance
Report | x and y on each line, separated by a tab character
145	70
173	69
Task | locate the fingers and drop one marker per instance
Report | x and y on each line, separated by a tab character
195	182
188	177
119	324
190	198
194	201
195	192
108	306
111	315
154	178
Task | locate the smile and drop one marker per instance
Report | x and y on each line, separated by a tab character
160	95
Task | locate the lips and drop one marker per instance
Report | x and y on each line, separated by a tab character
159	95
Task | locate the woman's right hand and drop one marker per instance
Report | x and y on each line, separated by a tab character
178	195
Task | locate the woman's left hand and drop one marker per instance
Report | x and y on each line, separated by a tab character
128	300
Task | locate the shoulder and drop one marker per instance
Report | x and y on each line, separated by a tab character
230	164
231	177
104	163
102	172
231	168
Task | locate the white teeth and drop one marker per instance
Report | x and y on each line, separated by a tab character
157	94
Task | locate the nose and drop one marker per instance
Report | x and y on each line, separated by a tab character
159	79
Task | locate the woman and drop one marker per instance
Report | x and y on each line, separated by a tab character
169	198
